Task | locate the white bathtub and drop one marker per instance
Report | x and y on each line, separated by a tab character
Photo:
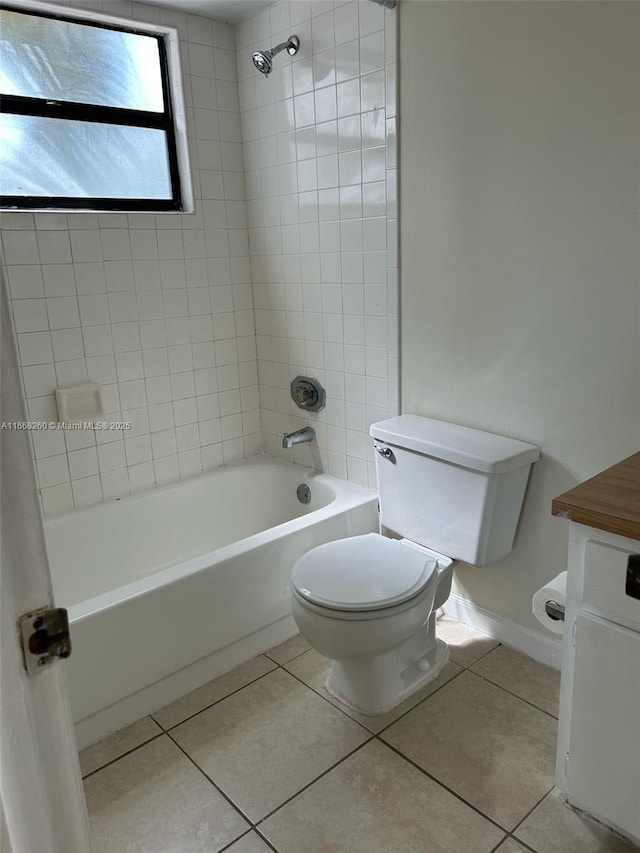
170	588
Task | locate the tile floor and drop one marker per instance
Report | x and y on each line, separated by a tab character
263	759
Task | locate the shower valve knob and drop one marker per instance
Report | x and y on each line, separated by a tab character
308	394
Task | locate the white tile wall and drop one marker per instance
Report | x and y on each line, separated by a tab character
161	310
158	309
320	154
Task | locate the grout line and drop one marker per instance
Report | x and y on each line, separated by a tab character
421	702
514	837
175	725
413	707
195	714
446	787
122	755
506	690
482	657
372	736
376	736
209	779
511	837
522	844
499	844
511	693
254	826
250	831
231	843
216	702
364	726
335	707
265	839
313	781
295	657
531	810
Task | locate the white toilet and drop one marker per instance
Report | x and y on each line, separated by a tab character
447	493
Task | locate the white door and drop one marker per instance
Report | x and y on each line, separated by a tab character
42	801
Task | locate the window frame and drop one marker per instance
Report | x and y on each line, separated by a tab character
172	120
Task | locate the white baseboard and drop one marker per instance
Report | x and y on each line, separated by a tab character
132	708
534	644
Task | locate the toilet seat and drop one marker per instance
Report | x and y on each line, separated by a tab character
362	573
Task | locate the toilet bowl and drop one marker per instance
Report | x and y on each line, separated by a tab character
366	603
447	493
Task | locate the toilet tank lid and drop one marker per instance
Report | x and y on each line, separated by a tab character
470	448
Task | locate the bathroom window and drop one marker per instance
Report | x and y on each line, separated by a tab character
88	114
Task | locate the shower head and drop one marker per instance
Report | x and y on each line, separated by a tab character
263	59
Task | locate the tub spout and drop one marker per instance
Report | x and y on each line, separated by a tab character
298	437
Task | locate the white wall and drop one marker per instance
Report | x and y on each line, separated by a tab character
520	273
319	147
158	309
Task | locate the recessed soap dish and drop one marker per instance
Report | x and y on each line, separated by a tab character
80	403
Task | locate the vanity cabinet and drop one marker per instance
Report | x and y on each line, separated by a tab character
598	757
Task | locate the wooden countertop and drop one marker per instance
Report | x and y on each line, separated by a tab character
609	501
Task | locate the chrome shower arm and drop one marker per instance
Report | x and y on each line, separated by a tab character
263	59
291	45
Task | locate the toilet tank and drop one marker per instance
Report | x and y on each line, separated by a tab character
454	489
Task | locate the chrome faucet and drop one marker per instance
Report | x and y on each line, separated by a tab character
298	437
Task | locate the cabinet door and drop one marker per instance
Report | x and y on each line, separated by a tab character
605	587
603	770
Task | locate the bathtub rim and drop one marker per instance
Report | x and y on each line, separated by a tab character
166	488
345	495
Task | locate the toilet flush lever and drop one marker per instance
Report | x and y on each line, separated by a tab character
387	452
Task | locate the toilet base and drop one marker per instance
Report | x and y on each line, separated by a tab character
377	685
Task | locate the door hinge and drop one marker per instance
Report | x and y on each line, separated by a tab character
44	635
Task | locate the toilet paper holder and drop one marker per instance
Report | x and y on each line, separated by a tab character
554	611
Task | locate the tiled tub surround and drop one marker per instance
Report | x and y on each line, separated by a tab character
319	150
160	309
465	766
157	309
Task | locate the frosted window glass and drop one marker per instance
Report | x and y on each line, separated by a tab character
65	61
59	157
